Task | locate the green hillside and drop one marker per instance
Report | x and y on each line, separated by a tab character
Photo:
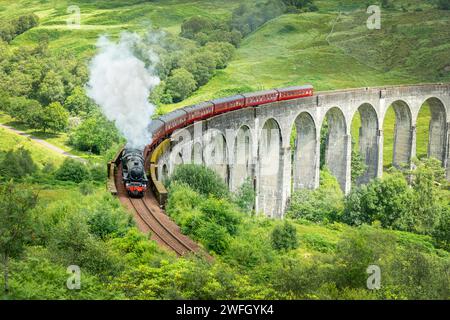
296	49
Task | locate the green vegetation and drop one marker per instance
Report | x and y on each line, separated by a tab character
210	49
201	179
11	141
11	29
319	205
318	258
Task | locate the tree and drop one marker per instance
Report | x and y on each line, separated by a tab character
25	110
222	51
194	25
428	202
95	134
51	88
358	167
180	84
284	236
54	117
15	226
201	65
245	196
78	102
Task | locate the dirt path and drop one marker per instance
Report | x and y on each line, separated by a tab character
43	143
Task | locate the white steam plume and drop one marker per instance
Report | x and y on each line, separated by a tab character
120	84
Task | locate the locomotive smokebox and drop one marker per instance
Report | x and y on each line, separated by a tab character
134	177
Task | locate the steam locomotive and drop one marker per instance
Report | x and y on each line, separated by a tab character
133	172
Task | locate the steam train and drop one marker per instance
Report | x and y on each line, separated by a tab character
134	177
166	124
133	172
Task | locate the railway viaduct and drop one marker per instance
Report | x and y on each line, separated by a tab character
255	143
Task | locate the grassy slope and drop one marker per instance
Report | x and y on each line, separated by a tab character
59	140
39	154
105	17
295	49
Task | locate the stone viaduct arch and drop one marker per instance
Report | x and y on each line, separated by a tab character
248	151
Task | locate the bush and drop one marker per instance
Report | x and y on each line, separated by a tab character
385	200
107	219
17	165
72	170
201	179
215	237
443	4
86	188
319	205
284	236
222	213
245	196
97	173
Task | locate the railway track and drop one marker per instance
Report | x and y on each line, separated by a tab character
150	217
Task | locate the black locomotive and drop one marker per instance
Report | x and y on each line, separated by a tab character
134	177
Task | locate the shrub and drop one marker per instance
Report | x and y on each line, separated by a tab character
319	205
97	173
284	236
443	4
215	237
245	196
222	213
201	179
72	170
86	188
107	219
17	164
385	200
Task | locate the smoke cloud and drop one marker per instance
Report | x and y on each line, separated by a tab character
120	84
